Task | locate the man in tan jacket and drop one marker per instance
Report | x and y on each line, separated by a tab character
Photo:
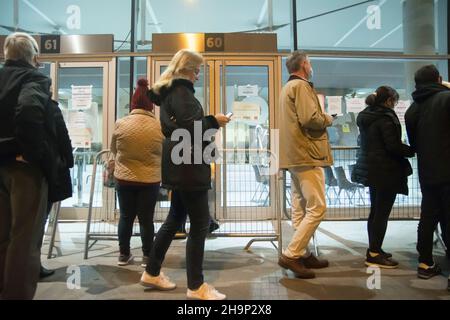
304	150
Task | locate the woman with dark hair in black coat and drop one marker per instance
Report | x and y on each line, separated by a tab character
382	166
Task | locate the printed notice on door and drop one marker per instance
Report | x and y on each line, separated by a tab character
355	105
81	97
334	105
246	111
79	130
248	91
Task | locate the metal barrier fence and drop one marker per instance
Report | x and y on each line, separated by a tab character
243	201
351	201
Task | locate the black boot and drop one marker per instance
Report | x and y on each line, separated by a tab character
213	225
44	273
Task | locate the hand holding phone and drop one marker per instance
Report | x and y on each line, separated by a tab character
229	115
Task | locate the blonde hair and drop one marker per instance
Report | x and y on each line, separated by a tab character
20	46
183	61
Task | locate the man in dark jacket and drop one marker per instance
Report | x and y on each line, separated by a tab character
24	93
428	126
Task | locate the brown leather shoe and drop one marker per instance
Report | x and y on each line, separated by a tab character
296	266
313	262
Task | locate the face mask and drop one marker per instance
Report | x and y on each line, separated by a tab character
311	74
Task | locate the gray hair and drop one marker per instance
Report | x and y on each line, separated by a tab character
294	61
21	46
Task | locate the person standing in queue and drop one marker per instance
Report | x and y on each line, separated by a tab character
304	151
137	146
428	127
382	166
24	166
183	172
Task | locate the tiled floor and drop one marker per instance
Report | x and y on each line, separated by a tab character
249	275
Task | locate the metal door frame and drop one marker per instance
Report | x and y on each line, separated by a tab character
108	113
214	96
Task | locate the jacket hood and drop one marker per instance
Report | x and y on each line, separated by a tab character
424	92
19	71
370	114
158	97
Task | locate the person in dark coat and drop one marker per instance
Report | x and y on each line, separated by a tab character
185	171
24	166
61	188
428	127
381	165
60	183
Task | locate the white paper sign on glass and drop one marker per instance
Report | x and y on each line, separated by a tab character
79	129
80	137
355	105
246	111
81	97
334	105
401	109
248	91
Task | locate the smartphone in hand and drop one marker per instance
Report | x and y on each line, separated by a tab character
229	115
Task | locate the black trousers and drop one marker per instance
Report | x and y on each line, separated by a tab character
196	205
381	203
23	205
435	207
137	201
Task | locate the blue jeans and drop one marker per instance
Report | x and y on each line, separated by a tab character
137	201
194	204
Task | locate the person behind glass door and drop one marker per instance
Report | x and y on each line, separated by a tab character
190	182
304	151
382	166
428	127
137	146
24	166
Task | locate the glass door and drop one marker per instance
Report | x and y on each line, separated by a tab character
84	95
244	186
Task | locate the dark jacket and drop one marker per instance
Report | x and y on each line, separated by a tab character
24	94
381	161
428	127
180	110
60	186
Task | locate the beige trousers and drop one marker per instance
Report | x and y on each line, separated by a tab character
308	207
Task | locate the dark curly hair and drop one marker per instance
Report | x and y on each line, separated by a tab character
381	95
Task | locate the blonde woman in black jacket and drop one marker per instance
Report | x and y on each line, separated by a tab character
187	176
382	166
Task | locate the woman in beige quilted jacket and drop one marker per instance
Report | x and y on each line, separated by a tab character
137	146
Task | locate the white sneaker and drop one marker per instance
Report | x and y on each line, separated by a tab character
205	292
160	282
